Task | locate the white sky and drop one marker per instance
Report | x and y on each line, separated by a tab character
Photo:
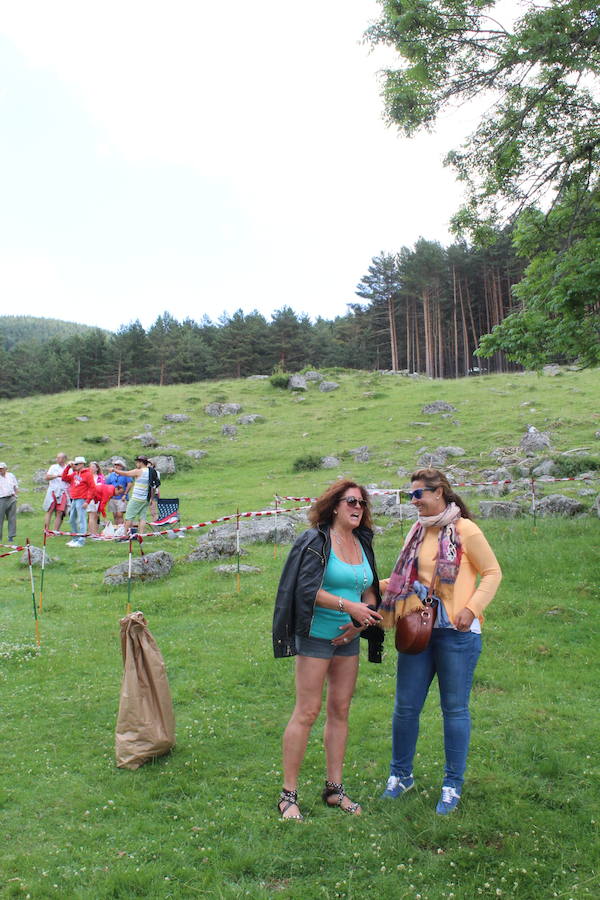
199	157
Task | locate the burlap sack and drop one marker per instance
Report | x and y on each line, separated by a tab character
145	724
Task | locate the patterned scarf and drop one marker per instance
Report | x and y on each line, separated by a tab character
406	568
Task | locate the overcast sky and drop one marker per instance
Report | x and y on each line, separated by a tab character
201	157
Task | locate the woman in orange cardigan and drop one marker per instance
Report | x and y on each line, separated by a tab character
444	533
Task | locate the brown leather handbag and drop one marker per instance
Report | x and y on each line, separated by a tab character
413	631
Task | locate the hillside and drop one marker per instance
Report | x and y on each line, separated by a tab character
202	822
14	329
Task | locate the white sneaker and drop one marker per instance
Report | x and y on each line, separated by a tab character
71	544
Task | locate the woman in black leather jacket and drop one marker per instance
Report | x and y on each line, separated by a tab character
328	594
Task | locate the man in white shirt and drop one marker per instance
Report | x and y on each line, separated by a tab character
57	495
9	489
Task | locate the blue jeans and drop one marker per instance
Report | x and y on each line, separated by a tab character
452	655
78	518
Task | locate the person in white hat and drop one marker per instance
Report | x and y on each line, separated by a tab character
9	488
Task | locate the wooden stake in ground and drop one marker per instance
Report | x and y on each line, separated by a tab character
43	570
35	615
237	541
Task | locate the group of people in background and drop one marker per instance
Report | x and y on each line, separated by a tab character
87	494
329	594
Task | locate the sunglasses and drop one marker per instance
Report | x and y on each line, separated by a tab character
352	501
416	495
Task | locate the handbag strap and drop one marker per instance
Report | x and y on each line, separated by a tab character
428	601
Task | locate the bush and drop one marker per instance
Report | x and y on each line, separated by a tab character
306	463
97	439
280	380
569	466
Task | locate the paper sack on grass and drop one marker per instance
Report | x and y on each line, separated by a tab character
145	724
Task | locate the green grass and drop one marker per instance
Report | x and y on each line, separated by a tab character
202	822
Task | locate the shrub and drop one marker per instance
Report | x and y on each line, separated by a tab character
280	380
569	466
96	439
306	463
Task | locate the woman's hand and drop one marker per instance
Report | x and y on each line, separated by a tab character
464	619
348	633
363	614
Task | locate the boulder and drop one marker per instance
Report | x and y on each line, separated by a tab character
261	530
196	454
327	386
258	377
360	454
546	467
39	477
164	464
431	460
559	505
297	383
499	509
534	441
551	370
214	546
232	569
223	409
176	417
25	509
229	430
329	462
150	567
36	557
146	439
438	406
596	505
313	376
250	419
451	451
82	418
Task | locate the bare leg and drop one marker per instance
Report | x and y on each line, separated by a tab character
310	678
341	682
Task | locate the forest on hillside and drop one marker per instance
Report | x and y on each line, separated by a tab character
423	310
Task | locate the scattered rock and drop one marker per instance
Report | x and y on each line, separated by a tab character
250	419
232	569
596	505
196	454
329	462
438	406
176	417
360	454
551	370
258	377
214	546
534	441
39	477
229	430
546	467
146	439
431	460
223	409
164	464
499	509
264	530
25	509
36	557
82	418
559	505
327	386
297	383
313	376
150	567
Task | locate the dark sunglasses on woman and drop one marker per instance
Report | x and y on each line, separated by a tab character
416	495
352	501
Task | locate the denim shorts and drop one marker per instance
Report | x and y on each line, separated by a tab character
322	648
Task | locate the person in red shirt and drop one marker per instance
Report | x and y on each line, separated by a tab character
82	488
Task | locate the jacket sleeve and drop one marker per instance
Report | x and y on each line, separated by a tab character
487	567
284	617
67	474
90	487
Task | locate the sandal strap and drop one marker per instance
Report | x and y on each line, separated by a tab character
331	788
289	798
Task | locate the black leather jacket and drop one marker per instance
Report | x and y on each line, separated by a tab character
301	578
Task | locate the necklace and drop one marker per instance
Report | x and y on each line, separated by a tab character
356	546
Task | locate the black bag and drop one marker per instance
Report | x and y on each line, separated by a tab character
153	482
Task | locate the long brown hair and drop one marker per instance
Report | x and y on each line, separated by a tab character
321	512
433	478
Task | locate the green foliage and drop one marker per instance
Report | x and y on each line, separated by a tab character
571	465
280	380
538	141
96	439
307	463
24	329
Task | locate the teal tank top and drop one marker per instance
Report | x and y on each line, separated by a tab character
343	580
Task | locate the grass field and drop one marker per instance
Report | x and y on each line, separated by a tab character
202	822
